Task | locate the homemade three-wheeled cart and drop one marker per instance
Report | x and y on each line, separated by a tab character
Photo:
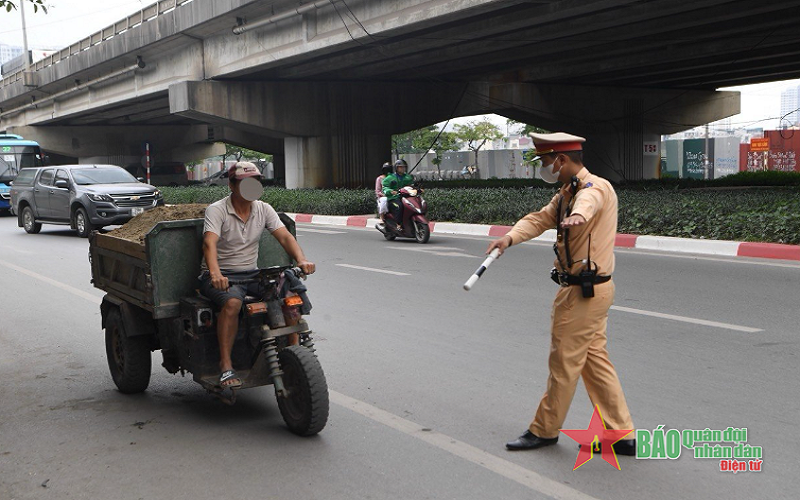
152	303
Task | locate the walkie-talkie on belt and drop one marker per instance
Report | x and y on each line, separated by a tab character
588	274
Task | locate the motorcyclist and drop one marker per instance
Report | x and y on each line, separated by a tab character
392	185
379	196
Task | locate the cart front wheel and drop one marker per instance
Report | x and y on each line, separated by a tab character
129	359
305	408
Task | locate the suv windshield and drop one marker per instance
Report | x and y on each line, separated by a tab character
85	176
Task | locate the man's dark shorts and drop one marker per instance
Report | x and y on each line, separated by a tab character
220	297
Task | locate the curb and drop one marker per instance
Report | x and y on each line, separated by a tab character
660	243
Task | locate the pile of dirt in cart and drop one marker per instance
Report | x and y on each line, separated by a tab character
136	228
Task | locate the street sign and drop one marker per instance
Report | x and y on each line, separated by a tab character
759	144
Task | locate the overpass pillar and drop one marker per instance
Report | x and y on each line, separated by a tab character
624	149
351	160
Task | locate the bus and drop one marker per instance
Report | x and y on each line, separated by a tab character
15	153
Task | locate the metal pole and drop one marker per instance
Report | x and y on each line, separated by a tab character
25	36
147	160
705	163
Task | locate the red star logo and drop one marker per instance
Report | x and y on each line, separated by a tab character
596	436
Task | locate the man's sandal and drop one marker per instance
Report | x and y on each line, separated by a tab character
229	376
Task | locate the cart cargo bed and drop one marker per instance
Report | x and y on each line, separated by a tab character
156	275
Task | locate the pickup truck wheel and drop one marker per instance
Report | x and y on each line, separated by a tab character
82	223
29	221
305	408
129	359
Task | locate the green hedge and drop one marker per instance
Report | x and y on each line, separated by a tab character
771	215
741	179
311	201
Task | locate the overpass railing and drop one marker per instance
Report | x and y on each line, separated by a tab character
137	19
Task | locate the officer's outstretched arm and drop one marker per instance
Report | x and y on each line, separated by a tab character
529	227
535	223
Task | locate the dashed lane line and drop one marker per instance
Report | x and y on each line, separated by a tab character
63	286
685	319
525	477
374	270
732	260
314	230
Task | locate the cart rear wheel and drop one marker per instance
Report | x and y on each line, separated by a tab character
129	359
305	409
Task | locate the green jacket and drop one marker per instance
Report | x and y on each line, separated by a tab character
394	182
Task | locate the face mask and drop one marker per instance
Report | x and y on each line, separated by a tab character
250	189
547	173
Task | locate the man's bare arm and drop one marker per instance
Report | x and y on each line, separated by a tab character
291	246
210	240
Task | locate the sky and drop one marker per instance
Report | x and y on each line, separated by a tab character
68	21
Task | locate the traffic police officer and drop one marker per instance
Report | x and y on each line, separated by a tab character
584	213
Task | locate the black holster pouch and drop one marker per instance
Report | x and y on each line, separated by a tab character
554	276
586	279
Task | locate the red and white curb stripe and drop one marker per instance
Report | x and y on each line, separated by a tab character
661	243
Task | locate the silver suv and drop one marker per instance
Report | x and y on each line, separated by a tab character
85	197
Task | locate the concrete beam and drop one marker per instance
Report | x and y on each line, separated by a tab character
665	111
314	109
618	123
246	139
116	141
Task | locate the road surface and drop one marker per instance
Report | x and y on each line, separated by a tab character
427	381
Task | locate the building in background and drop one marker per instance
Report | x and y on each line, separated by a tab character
790	102
17	62
9	52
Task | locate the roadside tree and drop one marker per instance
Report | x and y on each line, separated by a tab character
474	135
8	5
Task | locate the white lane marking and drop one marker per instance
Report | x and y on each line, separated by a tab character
80	293
20	250
321	231
687	320
384	271
731	260
439	251
492	463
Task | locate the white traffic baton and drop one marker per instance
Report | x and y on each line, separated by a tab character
486	263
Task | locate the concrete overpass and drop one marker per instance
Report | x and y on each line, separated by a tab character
324	84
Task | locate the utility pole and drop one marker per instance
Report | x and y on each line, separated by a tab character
25	37
705	162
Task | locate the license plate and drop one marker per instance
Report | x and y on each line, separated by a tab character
136	211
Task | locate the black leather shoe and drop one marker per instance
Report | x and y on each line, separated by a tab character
625	447
530	441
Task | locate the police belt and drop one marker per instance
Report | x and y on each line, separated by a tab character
565	279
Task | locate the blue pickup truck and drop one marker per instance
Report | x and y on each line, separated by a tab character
15	153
